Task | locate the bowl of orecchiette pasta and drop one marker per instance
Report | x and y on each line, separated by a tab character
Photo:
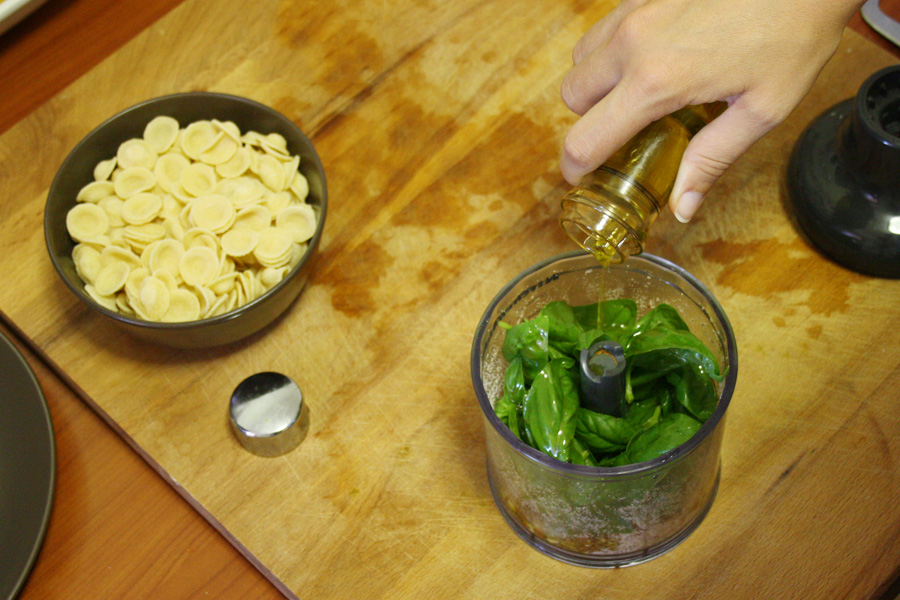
190	220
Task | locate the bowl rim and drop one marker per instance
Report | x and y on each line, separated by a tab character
634	469
236	313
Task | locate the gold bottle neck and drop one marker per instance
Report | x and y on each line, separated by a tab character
609	215
610	212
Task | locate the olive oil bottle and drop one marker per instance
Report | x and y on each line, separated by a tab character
611	211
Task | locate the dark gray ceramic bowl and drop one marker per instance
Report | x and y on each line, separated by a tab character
102	143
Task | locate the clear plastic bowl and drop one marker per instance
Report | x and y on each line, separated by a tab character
602	516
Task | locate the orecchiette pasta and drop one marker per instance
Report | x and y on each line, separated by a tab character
190	223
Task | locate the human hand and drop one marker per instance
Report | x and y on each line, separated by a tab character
649	58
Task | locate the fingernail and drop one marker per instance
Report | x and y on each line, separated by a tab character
687	205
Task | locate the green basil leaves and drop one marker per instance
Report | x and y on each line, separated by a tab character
670	387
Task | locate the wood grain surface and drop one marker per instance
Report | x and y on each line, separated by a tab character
60	42
117	529
440	138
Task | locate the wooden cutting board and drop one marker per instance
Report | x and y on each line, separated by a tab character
439	125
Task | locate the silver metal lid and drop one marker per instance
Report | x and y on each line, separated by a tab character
268	415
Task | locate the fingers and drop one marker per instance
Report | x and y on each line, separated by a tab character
648	58
601	131
602	31
590	80
715	148
595	37
597	60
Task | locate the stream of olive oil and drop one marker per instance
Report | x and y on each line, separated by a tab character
604	261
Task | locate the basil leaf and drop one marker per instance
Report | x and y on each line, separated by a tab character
510	406
564	332
618	318
514	383
581	455
588	338
644	413
644	388
506	412
615	318
587	316
695	392
668	434
529	341
669	383
662	316
550	408
603	433
662	349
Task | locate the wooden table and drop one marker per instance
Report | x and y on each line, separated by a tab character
117	529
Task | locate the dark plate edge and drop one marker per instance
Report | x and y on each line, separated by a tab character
20	367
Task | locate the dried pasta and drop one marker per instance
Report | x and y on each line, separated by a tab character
189	223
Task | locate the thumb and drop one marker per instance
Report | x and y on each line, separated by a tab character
709	154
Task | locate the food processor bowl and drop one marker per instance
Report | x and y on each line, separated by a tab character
602	516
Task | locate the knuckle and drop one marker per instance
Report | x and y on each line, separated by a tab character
579	151
711	167
651	83
766	115
655	90
578	52
567	91
629	31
